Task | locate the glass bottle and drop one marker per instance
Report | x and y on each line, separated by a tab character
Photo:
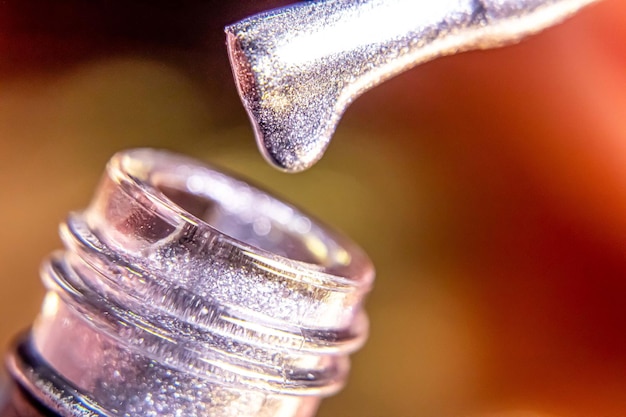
183	291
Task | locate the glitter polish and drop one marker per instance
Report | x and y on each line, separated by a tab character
183	291
299	67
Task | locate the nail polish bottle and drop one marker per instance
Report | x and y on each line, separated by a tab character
183	291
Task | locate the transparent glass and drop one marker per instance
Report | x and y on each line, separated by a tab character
186	292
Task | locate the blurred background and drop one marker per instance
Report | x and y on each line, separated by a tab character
489	188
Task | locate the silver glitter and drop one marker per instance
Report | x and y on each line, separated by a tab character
299	67
169	302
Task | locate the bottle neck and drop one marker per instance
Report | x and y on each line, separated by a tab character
183	291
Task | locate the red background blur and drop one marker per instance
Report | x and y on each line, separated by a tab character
489	189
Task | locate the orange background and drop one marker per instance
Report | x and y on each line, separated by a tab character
489	188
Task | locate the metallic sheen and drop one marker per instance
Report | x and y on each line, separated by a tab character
299	67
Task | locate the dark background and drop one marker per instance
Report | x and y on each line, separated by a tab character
489	188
